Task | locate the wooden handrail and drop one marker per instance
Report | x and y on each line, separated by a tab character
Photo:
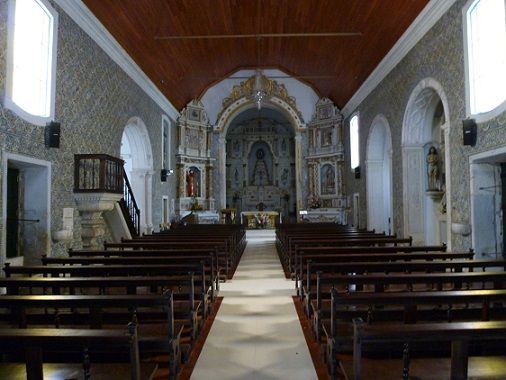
129	205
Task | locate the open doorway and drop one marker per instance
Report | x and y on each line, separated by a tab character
488	202
137	153
379	176
26	209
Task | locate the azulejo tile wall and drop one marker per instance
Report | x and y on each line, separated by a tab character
439	55
94	101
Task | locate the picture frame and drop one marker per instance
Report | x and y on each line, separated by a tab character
194	114
325	112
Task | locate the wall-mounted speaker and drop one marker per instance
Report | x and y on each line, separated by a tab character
163	175
469	131
52	135
357	172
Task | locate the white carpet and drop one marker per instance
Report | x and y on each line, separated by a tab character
256	334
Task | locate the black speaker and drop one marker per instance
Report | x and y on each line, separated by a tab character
163	175
357	172
52	135
469	131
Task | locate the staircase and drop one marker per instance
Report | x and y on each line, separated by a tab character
129	208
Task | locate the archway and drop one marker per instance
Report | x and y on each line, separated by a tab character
379	176
260	162
136	151
229	114
426	187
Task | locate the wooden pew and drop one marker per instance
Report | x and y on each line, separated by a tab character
306	268
150	339
198	269
34	342
307	252
191	254
459	334
226	260
298	243
378	282
409	301
182	288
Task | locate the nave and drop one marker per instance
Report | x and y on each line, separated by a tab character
256	334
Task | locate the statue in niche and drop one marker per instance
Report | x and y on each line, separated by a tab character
327	137
236	177
283	145
328	181
192	184
260	173
236	148
433	169
284	177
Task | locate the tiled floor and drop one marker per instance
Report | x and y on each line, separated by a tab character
256	334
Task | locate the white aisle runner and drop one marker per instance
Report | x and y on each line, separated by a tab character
256	334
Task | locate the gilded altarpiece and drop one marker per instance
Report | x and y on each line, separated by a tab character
194	164
326	201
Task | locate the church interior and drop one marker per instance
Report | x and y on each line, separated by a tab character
253	189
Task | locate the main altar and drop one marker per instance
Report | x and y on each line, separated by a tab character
259	219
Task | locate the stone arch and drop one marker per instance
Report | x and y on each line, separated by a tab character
379	176
421	216
244	103
137	152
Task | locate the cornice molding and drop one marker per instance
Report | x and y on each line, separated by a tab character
83	17
422	24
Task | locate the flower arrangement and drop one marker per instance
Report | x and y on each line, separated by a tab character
314	201
165	226
194	205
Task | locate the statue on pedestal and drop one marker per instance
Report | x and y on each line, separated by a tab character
432	169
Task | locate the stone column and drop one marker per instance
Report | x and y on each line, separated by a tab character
222	159
209	181
298	172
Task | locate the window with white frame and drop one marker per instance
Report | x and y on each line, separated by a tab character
354	142
31	60
485	45
165	142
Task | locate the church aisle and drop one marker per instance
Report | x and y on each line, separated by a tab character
256	334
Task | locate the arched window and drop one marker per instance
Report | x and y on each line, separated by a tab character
31	60
354	142
485	46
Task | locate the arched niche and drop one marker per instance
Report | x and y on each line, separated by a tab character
426	124
259	149
238	107
137	153
379	176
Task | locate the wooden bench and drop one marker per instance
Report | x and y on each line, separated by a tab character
302	243
36	341
204	291
150	339
308	252
306	269
378	282
459	334
409	301
225	259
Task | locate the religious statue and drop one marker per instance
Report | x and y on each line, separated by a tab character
432	169
191	183
328	180
260	172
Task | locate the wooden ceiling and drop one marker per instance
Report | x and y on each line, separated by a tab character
185	46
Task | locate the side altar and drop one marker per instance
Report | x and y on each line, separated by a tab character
259	219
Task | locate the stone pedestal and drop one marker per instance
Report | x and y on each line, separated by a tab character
91	206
